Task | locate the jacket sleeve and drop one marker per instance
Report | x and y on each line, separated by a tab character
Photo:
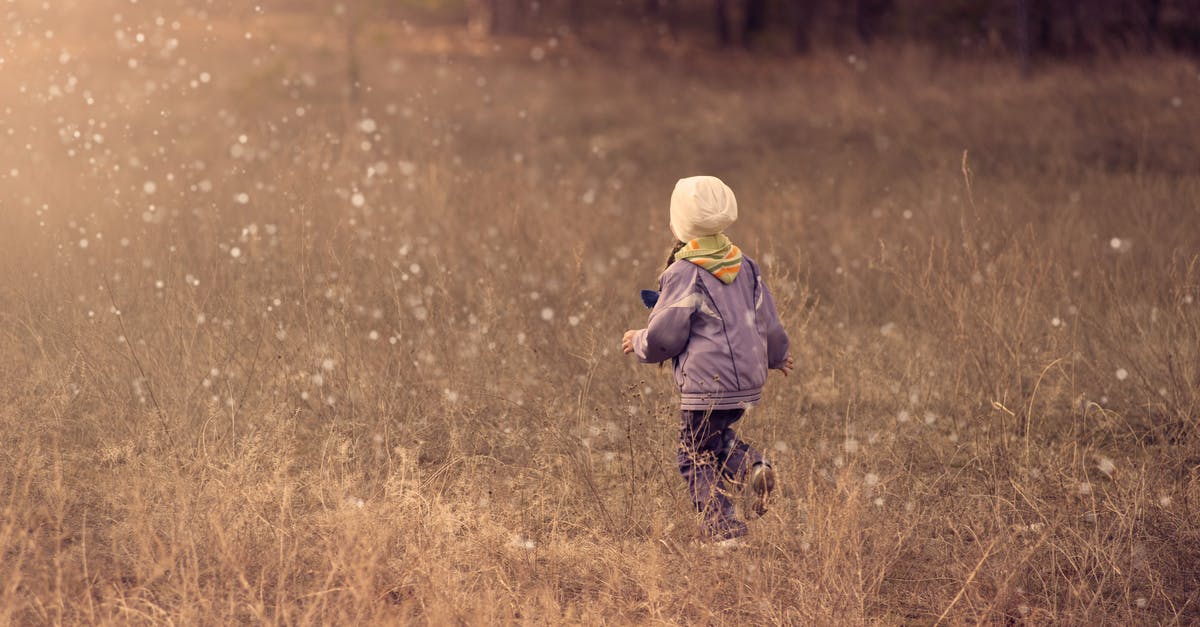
670	324
777	338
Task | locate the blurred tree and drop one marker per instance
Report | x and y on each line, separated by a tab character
724	35
1184	33
755	20
495	16
1033	30
1075	37
869	16
803	14
1150	16
749	16
665	13
1028	28
499	17
1075	27
479	16
575	15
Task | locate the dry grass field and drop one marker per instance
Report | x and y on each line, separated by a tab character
274	350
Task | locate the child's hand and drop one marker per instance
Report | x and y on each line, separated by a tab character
788	365
627	341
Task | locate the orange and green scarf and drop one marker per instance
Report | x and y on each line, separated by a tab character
714	253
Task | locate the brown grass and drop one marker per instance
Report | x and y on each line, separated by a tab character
366	417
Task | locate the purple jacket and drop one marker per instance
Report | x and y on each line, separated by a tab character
724	336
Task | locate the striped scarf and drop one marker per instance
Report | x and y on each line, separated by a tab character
714	253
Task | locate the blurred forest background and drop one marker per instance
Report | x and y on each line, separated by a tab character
1025	29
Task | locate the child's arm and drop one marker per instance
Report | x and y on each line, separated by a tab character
670	321
777	339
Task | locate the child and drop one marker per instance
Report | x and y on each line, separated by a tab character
715	317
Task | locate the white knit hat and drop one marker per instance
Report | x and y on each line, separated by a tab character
700	206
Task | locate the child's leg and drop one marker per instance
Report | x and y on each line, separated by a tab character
738	466
702	451
738	456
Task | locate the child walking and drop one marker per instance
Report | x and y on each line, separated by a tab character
716	320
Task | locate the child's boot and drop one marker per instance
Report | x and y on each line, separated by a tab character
760	482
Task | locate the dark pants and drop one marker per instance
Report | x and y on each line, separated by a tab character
711	458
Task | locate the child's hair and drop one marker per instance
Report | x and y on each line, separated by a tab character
676	248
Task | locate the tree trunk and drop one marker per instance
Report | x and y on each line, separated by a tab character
755	20
723	32
803	12
479	17
1151	20
868	17
575	16
1080	33
1033	32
